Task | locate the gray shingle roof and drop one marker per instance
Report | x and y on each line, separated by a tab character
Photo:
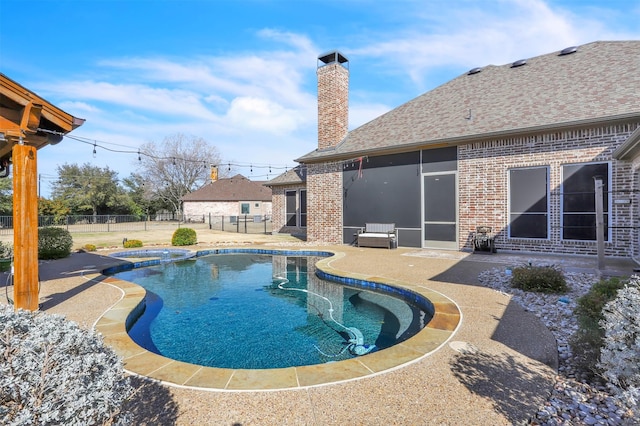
597	83
291	177
236	188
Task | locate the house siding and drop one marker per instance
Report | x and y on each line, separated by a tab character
483	169
225	208
483	187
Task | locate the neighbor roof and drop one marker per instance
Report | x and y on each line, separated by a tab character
599	82
291	177
236	188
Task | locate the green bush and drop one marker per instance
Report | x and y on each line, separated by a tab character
54	243
184	237
541	279
132	243
6	250
587	341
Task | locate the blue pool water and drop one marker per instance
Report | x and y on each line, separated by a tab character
255	311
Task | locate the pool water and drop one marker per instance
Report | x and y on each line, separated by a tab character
255	311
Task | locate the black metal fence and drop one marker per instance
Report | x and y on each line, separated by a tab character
246	224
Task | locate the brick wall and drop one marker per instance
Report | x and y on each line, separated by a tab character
324	203
333	104
483	186
225	208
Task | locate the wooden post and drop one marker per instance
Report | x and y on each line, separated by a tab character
25	227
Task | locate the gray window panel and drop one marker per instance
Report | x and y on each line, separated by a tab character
437	203
440	232
528	190
578	186
578	200
290	208
528	226
582	226
528	203
440	160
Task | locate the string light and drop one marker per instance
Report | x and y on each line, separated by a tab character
100	144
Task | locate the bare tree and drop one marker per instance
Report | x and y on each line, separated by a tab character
175	167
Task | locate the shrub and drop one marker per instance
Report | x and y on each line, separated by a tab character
54	243
542	279
184	237
620	354
54	372
89	247
587	341
6	250
132	243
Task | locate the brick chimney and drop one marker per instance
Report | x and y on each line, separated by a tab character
333	99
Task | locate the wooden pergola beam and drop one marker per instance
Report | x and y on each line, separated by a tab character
27	123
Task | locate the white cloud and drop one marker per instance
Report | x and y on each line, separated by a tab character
262	114
477	35
166	101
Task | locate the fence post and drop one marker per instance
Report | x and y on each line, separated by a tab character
238	224
108	223
599	220
67	221
223	223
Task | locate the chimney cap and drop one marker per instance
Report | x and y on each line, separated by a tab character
331	57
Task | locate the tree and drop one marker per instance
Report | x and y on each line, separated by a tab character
141	196
87	189
6	197
176	166
55	208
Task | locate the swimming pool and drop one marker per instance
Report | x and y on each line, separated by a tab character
235	309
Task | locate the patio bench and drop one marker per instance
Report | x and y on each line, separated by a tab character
377	235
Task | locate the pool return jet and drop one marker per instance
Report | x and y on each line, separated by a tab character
355	341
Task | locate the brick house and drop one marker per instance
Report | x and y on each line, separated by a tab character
234	196
515	147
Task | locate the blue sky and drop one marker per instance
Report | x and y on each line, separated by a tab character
242	74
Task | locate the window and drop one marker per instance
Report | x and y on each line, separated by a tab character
290	208
303	208
244	208
528	202
578	200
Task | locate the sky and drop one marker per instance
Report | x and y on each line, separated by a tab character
242	74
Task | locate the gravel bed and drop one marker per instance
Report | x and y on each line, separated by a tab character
574	400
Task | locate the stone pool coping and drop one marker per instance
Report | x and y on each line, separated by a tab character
137	360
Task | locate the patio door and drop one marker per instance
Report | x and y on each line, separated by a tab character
440	210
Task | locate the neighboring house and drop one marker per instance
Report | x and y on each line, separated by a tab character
515	147
235	196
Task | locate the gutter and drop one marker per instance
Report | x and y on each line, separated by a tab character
466	139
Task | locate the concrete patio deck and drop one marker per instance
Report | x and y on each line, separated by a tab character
498	368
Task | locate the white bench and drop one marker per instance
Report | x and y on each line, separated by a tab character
377	235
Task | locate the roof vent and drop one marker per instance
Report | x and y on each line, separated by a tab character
474	71
519	63
568	50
